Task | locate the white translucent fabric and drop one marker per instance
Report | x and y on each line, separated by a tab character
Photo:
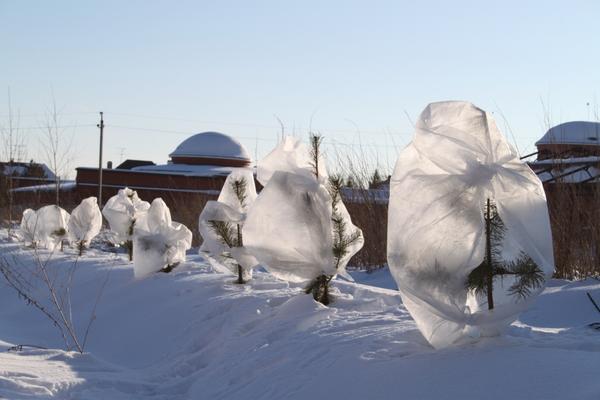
290	155
442	179
85	222
289	228
46	227
27	230
228	209
121	211
158	241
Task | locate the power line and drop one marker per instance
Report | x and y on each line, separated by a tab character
33	128
245	124
327	142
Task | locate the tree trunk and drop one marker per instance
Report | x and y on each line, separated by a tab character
240	271
129	245
488	255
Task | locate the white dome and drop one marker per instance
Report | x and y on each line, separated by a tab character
211	145
575	132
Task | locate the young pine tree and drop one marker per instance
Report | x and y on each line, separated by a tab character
375	180
528	275
229	233
342	239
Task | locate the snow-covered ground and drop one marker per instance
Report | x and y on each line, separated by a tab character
194	334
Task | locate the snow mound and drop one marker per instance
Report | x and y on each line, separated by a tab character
192	334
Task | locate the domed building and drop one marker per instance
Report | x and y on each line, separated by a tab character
204	154
195	172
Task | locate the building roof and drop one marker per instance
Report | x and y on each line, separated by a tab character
185	169
573	133
130	164
23	169
211	145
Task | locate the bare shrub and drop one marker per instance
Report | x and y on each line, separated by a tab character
46	283
366	198
575	224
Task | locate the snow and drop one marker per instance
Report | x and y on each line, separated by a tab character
568	170
21	169
211	145
193	334
574	132
565	161
63	185
186	169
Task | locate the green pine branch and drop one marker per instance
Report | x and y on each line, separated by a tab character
529	276
225	232
315	140
239	187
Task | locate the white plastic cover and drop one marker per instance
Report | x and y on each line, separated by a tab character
158	241
46	227
28	229
456	161
228	208
290	155
289	228
121	211
85	222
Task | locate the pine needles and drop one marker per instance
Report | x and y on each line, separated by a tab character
229	233
315	152
528	275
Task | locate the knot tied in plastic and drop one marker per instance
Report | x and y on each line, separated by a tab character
469	240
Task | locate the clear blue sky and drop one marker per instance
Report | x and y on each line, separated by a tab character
162	70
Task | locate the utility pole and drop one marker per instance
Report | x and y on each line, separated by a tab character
101	126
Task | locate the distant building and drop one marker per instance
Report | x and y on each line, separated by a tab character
26	174
568	164
199	165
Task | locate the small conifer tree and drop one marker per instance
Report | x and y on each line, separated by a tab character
229	233
342	239
375	180
130	229
481	280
